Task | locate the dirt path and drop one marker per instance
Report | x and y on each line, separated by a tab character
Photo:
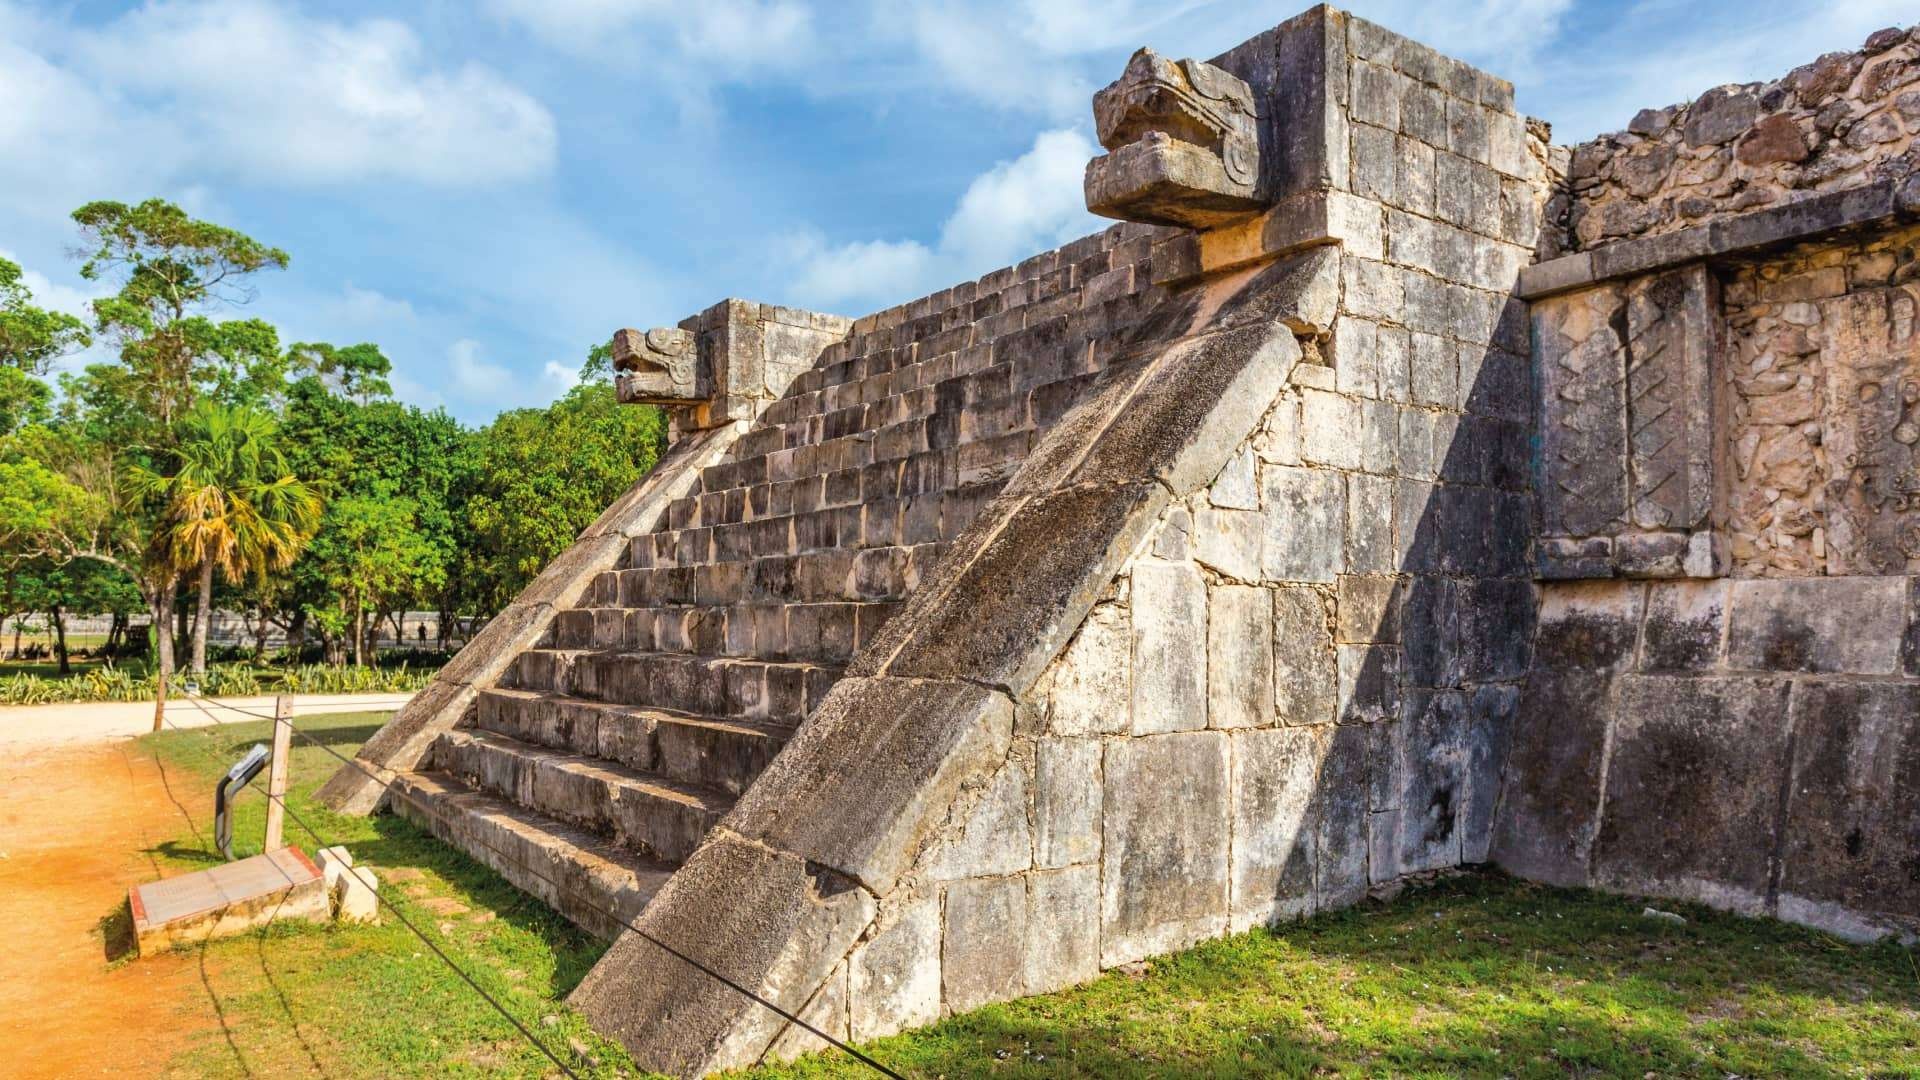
96	721
76	823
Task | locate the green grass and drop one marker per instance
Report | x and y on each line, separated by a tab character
1476	976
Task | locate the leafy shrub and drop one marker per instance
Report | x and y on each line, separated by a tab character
221	680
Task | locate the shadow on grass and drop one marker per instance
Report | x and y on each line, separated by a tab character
115	928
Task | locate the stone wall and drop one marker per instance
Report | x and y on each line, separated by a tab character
1839	122
1753	744
1728	394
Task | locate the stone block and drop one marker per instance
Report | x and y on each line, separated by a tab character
1275	780
1229	541
1063	928
1578	353
1685	627
1685	817
983	916
1092	691
1591	627
1549	812
1330	430
1238	485
996	835
1164	872
1419	785
1370	524
356	896
1853	809
1305	685
1367	609
1066	802
1829	625
1169	647
1489	736
893	978
1369	682
1340	815
1306	517
1239	657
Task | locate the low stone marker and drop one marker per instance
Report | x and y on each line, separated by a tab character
227	899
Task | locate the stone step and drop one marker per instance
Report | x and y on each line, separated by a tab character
723	754
885	522
753	689
818	633
640	810
584	877
877	573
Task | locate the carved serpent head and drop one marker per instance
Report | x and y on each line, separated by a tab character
658	367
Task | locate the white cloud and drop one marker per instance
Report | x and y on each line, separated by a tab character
472	378
735	36
559	376
253	89
1011	211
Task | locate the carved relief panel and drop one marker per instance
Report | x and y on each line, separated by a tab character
1872	402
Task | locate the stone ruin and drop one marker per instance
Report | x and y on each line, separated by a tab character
1392	491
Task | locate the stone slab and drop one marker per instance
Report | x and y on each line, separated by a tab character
281	885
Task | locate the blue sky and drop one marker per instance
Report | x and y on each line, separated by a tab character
485	189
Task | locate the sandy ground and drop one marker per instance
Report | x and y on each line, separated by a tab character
33	727
81	816
77	827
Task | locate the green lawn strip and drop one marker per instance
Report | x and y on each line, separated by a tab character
1477	975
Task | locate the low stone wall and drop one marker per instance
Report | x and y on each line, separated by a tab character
1842	121
1749	744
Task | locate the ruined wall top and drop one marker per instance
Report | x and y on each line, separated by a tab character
1843	121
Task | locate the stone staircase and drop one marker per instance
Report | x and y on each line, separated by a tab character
604	754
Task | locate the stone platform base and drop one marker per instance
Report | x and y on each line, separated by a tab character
278	886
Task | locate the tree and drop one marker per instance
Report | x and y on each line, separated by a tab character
230	503
172	269
357	372
542	475
32	337
372	551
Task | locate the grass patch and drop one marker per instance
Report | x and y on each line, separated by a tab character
1474	976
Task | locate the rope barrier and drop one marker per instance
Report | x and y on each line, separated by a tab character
617	920
323	842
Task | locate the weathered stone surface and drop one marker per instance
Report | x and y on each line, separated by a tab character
983	916
1850	625
1169	648
1164	876
893	978
1419	784
1063	928
1579	357
1672	338
1005	613
1066	802
1686	626
873	771
1306	523
1711	837
1239	679
1849	860
1305	686
1276	774
1092	691
1588	627
1551	802
783	932
996	836
1872	431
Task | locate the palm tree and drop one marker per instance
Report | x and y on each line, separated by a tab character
231	503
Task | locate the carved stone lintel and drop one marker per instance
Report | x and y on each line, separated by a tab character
1184	145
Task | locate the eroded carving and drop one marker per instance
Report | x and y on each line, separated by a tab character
1672	326
1184	146
1580	339
1874	385
659	367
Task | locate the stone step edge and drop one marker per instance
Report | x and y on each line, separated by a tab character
645	782
737	725
530	849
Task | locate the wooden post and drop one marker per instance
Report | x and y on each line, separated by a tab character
277	771
160	701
